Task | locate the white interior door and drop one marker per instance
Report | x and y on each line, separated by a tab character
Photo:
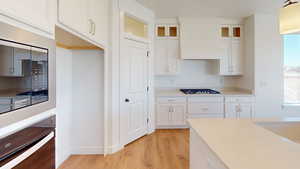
133	94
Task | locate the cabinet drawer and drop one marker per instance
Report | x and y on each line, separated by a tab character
195	116
239	99
205	108
171	100
205	99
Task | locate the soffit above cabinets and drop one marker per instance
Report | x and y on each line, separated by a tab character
67	40
217	8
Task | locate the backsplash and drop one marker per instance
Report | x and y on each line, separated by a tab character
196	74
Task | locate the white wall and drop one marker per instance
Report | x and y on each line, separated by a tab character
80	103
197	74
88	102
193	74
268	53
63	104
247	80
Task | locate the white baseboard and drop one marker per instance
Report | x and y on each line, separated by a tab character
172	127
96	150
59	162
114	149
88	150
151	131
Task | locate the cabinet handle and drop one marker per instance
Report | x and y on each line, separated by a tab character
90	26
171	109
94	28
204	109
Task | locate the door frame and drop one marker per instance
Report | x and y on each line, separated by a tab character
125	37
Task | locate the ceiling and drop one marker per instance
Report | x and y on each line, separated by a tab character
218	8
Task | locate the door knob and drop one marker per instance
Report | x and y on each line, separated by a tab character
127	100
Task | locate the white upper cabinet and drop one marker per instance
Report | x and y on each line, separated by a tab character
37	14
88	18
232	46
74	15
167	49
167	57
199	38
98	15
169	31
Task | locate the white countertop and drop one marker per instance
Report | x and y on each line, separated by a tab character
178	93
241	144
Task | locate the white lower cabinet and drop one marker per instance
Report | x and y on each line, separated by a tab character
163	114
178	114
239	107
170	113
206	106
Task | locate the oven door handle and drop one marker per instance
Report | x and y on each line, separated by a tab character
13	163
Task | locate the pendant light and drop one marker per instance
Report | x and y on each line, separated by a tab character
290	17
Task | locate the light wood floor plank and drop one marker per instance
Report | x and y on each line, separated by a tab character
164	149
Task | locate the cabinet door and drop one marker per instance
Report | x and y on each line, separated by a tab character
173	31
161	31
231	110
161	57
32	12
6	61
245	110
163	114
225	61
73	14
238	110
236	57
20	58
173	56
178	114
98	15
237	31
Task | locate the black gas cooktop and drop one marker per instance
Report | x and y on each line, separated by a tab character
199	91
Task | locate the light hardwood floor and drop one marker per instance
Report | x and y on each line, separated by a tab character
164	149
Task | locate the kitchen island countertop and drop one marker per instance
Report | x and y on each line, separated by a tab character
242	144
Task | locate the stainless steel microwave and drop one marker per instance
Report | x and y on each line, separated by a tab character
27	74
